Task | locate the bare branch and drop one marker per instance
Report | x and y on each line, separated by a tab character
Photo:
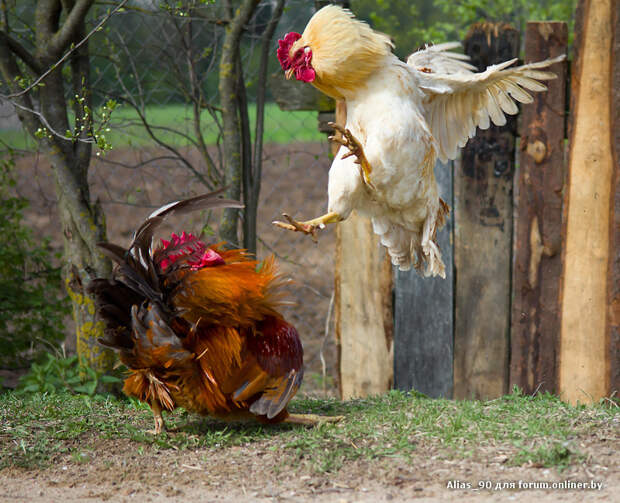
11	73
197	98
21	52
48	126
73	48
262	85
149	128
141	164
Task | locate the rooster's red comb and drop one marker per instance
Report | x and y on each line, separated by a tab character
284	47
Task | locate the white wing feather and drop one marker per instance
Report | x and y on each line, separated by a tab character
438	59
458	101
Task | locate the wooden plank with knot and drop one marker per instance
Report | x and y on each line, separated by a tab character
483	235
537	244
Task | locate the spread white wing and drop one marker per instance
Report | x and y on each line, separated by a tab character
458	101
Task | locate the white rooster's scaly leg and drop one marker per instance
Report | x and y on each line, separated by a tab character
310	226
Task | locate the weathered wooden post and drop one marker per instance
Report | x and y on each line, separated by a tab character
538	220
424	315
613	294
589	296
483	236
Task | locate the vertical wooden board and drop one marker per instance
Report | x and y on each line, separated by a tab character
535	324
584	365
424	316
364	320
482	239
613	297
362	304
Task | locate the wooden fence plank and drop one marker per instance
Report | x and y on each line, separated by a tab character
424	316
584	364
362	305
483	234
538	220
613	297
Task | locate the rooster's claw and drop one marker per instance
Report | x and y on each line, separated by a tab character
295	226
355	149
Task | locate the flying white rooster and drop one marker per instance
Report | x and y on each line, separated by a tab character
400	119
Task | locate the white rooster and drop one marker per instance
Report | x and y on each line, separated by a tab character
400	119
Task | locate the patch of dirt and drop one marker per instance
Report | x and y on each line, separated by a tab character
264	471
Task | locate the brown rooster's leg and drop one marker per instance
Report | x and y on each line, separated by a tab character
355	148
309	227
159	419
312	419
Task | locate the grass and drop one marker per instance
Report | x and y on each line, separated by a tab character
127	130
37	429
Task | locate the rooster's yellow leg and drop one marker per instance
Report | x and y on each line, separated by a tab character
159	419
310	226
312	419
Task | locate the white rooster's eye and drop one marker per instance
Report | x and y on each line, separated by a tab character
306	49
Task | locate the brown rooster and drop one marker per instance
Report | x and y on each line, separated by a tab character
198	327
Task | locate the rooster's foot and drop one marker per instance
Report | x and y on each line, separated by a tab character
309	227
295	226
355	148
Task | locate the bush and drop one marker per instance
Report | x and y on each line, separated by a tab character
33	304
62	374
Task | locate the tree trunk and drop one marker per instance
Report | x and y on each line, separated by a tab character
82	260
231	133
82	221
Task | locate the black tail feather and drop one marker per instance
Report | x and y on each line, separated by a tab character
136	275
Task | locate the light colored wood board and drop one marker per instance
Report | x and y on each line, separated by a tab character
613	296
424	315
584	364
482	239
537	246
364	316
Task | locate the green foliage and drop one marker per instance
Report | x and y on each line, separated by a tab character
61	374
32	303
413	24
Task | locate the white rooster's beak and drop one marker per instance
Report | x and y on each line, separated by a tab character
289	73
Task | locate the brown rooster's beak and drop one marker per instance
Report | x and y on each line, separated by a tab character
289	73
